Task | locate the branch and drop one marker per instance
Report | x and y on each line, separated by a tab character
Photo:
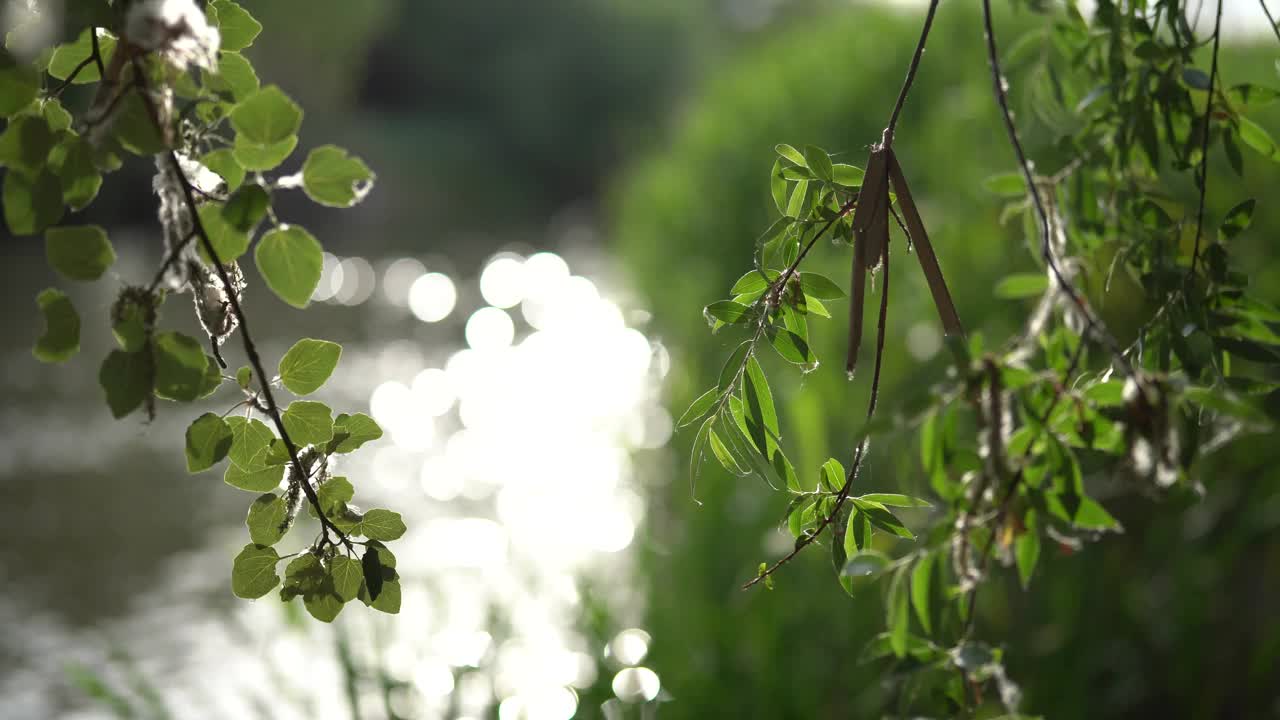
859	454
1092	324
66	83
251	350
1270	20
887	138
1204	140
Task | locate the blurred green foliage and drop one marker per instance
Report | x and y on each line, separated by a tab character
1166	619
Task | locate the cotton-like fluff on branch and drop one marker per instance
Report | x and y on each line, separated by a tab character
1155	446
212	299
176	29
175	217
317	469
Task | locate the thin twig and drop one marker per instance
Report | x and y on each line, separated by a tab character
781	283
887	138
859	454
1042	215
66	82
1270	20
169	260
886	141
97	53
1204	141
251	350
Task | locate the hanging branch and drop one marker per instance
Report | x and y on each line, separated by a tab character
1092	324
269	404
881	208
1204	138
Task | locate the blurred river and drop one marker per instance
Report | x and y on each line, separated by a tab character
516	403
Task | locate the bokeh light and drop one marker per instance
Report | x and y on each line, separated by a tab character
432	297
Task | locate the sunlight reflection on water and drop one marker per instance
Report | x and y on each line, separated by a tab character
511	460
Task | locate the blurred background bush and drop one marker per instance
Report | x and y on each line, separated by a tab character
634	140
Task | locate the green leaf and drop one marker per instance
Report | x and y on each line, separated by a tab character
134	128
1237	219
848	176
308	364
253	574
25	143
791	347
31	202
778	187
334	494
208	442
895	500
236	26
728	311
1092	516
58	117
699	408
898	618
880	516
61	338
79	252
228	242
833	475
266	519
1228	403
181	366
732	366
921	579
223	163
1106	394
246	208
254	480
19	83
758	401
1255	137
308	423
332	177
260	158
304	575
1022	285
126	378
235	75
865	564
290	261
1195	78
244	377
754	282
819	162
820	286
352	431
266	117
389	599
347	577
724	456
795	206
250	441
66	58
699	448
325	604
381	524
791	154
1026	550
1010	185
77	173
